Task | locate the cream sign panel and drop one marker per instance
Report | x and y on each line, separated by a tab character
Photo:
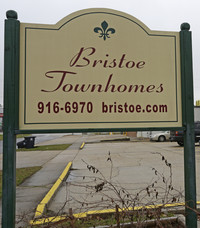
98	69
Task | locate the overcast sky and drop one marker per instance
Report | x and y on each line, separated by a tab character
161	15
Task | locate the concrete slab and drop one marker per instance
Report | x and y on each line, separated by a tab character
62	158
66	139
32	158
134	165
31	192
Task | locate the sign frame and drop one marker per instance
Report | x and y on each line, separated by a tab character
164	68
11	123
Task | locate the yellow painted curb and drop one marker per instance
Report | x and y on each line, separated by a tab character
82	145
85	214
42	205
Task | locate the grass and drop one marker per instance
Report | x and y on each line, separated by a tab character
18	136
91	222
22	135
83	223
47	147
100	220
21	175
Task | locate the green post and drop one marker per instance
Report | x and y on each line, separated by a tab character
11	75
188	122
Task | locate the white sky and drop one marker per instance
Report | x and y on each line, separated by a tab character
165	15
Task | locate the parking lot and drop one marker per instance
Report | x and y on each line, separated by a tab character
131	167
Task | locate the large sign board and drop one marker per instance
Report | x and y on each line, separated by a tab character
95	70
98	69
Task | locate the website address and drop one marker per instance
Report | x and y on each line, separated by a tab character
131	108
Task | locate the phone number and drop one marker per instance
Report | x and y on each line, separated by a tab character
69	107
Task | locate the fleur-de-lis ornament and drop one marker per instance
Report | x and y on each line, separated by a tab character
104	31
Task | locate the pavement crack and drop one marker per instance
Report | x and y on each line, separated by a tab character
74	169
140	162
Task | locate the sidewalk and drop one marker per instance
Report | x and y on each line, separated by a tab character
31	192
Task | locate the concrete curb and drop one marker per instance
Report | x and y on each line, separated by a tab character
43	204
82	145
43	221
116	140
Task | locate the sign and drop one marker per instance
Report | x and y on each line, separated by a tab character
95	70
98	69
